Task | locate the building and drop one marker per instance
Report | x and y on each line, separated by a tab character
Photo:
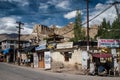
41	32
10	47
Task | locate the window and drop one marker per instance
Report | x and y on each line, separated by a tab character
66	56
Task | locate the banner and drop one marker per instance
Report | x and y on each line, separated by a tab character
85	58
109	43
65	45
40	47
35	57
47	59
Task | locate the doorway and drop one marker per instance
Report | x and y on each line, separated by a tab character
41	60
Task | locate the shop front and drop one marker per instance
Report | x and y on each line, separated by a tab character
113	46
8	55
27	56
103	63
40	61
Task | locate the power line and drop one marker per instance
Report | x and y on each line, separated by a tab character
90	19
117	11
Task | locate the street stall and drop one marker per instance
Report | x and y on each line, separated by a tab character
103	63
27	57
8	55
42	56
110	59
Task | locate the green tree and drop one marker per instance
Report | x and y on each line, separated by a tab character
107	31
103	30
115	30
79	33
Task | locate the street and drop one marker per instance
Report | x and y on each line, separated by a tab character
14	72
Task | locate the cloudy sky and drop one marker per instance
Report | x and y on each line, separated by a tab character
50	12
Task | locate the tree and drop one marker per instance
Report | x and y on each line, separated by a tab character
103	32
79	34
107	31
116	29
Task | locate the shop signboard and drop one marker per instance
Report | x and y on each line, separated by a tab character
109	43
40	47
65	45
47	60
35	57
114	53
85	58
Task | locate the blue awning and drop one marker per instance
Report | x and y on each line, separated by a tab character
40	47
30	48
6	51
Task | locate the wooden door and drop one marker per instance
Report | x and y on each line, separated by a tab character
41	60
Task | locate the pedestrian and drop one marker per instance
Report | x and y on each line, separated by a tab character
92	68
102	70
117	68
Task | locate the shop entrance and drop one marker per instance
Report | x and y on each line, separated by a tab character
41	60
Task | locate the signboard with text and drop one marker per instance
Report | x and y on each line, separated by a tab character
35	58
109	43
65	45
40	47
47	59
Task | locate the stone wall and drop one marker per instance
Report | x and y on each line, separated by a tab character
75	58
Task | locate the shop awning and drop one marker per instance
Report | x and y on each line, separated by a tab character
102	55
30	48
6	51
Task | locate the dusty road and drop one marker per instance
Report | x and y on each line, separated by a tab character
13	72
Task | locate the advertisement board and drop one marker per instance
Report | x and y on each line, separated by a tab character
35	57
85	58
40	47
47	60
65	45
109	43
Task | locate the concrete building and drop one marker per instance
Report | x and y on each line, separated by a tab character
10	47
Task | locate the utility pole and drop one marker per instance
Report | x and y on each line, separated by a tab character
87	5
19	32
118	12
116	3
